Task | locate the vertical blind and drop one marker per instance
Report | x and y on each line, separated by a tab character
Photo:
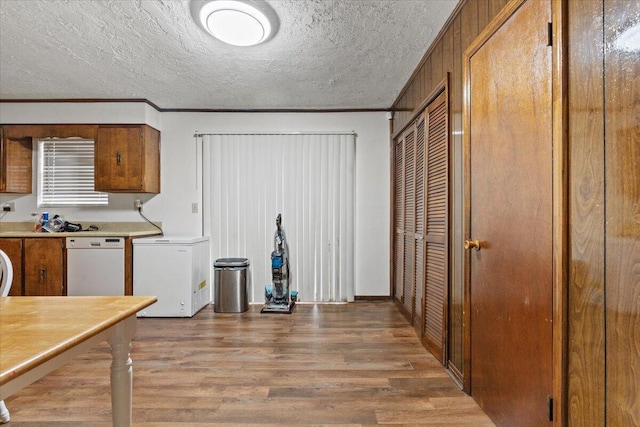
66	169
309	178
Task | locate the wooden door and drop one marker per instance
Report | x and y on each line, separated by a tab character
409	221
420	219
436	257
43	267
398	220
421	198
509	147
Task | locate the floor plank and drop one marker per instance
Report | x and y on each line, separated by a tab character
351	365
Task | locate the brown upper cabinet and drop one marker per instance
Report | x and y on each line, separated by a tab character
127	159
15	162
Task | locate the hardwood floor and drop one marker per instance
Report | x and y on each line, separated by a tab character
350	364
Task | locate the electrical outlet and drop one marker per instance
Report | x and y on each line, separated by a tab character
9	207
137	205
194	207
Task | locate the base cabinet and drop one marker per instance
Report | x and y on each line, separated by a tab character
40	265
13	249
44	267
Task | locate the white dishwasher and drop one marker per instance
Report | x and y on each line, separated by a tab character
95	266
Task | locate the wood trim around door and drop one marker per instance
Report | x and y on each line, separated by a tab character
560	127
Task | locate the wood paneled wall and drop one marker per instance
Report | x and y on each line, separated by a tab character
622	219
586	296
604	287
603	351
445	56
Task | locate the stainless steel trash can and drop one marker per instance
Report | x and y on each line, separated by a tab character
230	293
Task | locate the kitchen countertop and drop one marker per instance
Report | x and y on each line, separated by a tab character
105	229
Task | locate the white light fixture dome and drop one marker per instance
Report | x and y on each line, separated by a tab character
236	22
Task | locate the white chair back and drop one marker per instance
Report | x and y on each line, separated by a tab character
6	274
6	278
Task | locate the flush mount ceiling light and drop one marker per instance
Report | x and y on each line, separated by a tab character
236	22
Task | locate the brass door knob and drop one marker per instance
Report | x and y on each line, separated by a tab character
472	244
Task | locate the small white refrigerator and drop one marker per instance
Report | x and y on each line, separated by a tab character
174	269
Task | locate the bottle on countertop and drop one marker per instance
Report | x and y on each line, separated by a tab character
36	221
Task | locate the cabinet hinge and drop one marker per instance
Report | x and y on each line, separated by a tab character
550	407
549	34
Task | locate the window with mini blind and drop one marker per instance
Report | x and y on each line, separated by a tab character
66	173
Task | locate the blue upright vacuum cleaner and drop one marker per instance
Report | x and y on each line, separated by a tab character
277	297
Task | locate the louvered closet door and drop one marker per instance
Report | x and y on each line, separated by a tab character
418	283
437	226
409	221
399	220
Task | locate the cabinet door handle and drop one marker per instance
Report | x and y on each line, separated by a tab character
118	158
43	274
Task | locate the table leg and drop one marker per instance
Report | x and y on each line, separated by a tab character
122	372
4	413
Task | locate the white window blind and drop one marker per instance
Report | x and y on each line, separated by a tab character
309	178
66	173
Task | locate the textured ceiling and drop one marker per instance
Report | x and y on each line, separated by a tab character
327	54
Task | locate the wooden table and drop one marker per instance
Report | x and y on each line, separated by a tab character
39	334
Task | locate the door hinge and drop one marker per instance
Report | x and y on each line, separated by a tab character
550	404
549	34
